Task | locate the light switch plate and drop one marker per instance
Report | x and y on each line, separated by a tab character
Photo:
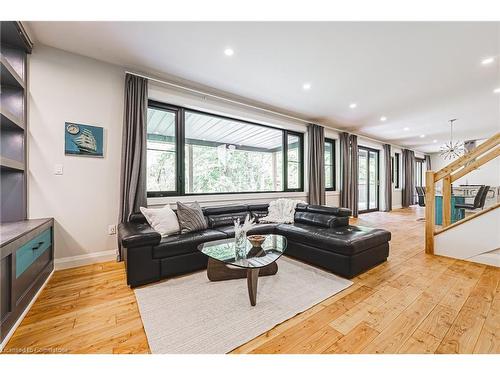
58	169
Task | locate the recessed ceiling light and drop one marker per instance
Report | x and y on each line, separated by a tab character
383	118
353	105
306	86
434	141
406	129
487	61
422	136
229	52
497	90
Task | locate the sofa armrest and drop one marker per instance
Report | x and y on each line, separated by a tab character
137	234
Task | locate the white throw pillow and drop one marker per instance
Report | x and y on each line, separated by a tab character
163	220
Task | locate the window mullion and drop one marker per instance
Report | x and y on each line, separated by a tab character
180	151
285	160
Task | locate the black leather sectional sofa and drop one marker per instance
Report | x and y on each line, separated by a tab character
320	236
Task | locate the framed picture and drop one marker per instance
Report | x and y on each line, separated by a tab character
83	140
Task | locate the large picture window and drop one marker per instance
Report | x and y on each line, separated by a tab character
192	153
329	164
228	156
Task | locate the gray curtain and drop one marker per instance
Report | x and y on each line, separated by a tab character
316	137
349	172
353	175
133	163
388	178
344	169
428	165
408	192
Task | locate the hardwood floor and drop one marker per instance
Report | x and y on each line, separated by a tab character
413	303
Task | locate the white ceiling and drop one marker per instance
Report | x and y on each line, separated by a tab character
418	75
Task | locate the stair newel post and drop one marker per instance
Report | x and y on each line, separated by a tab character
430	208
446	201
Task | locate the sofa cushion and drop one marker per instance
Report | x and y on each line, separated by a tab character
215	221
346	240
225	215
298	232
258	210
325	221
185	243
301	207
258	207
264	228
191	217
163	220
325	210
339	221
224	209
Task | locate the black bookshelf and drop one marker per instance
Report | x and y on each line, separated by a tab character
14	51
26	245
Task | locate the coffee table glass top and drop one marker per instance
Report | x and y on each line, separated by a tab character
256	257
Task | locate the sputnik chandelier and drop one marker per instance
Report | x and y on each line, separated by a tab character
451	149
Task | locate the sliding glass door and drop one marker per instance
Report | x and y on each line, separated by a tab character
420	172
368	186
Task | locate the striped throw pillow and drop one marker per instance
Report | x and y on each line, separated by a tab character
191	218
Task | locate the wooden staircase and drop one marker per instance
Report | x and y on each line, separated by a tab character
481	155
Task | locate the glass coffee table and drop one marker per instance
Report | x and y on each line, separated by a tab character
222	264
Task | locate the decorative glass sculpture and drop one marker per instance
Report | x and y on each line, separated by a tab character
240	237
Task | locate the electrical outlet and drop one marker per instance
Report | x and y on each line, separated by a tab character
111	229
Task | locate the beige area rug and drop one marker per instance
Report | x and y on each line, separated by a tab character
191	314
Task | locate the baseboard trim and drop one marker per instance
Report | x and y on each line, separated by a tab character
489	258
85	259
20	319
396	207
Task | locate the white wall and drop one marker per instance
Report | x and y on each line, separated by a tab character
463	241
84	200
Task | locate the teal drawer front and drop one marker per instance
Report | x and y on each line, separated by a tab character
31	250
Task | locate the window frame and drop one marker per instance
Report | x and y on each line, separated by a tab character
419	167
392	169
178	134
396	174
180	153
286	133
334	165
377	168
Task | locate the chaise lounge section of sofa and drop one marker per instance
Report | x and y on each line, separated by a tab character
320	236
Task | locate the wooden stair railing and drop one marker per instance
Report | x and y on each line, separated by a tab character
482	154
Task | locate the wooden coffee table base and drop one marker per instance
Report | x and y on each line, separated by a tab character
219	271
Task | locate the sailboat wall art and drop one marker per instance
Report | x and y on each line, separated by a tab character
83	140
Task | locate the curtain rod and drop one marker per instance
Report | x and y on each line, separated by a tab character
199	92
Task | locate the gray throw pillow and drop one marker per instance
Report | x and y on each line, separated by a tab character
191	218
